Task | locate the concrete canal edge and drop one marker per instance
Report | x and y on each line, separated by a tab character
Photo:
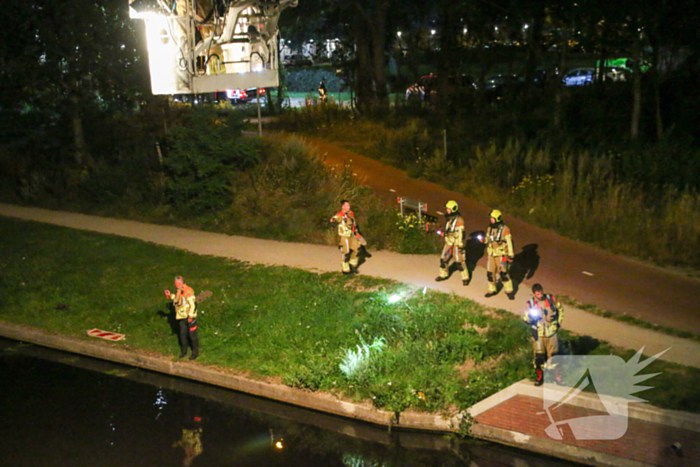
322	402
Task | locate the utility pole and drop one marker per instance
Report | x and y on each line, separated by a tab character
257	91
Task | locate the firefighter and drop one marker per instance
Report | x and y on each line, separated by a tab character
500	255
454	243
350	238
545	314
186	314
322	93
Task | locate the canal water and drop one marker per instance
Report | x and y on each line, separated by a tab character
59	409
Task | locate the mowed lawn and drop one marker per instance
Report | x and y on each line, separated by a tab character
441	352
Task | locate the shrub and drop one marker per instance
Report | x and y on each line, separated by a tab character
357	364
201	154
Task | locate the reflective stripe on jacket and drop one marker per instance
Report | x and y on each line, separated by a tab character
552	315
454	231
346	223
499	241
184	302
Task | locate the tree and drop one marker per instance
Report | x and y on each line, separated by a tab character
74	55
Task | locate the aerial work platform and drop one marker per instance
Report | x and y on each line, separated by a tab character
198	46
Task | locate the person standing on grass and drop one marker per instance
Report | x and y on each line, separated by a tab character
322	93
500	254
350	239
186	314
454	243
544	314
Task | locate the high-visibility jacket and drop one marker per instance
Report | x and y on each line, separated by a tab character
184	302
549	315
499	241
347	226
454	230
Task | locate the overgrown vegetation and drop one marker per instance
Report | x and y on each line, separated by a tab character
638	200
193	167
442	353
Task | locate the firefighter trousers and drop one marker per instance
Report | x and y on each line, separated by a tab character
545	348
497	269
457	254
349	246
188	337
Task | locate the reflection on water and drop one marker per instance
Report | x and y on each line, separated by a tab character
58	409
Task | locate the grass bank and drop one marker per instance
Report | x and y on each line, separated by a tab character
322	332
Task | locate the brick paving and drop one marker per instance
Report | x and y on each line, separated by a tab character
643	442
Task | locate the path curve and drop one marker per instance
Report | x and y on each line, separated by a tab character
581	271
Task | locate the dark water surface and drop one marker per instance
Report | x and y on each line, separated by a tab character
59	409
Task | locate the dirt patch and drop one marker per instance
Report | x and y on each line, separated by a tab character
466	368
469	366
478	329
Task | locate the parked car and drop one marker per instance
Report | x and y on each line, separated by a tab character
243	96
499	86
427	86
298	60
579	77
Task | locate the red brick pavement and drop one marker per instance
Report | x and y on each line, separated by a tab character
644	441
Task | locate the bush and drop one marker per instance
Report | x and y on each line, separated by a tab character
202	153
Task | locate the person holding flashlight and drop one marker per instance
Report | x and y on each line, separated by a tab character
454	244
186	314
544	314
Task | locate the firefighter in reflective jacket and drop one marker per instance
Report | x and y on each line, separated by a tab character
545	314
454	243
350	238
500	255
186	314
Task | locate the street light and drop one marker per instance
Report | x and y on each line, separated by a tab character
398	33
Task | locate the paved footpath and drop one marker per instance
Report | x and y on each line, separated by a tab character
417	270
514	416
648	436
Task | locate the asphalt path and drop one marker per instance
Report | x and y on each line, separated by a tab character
590	275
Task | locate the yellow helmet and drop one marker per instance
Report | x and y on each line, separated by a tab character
452	205
496	214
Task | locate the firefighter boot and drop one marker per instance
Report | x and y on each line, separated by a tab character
539	377
195	344
464	272
557	377
444	273
183	352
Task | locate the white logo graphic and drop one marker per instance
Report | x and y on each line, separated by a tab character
604	383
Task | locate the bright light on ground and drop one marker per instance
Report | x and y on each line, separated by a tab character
394	298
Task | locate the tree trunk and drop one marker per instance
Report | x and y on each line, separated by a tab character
636	88
363	89
559	88
534	47
78	134
657	93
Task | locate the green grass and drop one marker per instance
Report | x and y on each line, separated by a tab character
279	323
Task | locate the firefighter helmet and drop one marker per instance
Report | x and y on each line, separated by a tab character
452	205
496	214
